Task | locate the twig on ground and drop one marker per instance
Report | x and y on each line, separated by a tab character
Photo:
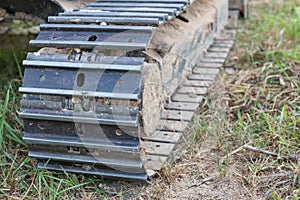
188	164
27	192
278	175
274	186
291	157
203	181
12	197
234	152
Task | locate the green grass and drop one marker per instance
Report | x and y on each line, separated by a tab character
263	99
266	102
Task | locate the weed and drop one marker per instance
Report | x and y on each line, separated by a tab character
221	168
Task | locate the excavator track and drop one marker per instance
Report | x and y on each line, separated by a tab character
83	90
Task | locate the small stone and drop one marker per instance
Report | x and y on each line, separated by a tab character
3	30
1	19
18	32
34	30
3	13
20	15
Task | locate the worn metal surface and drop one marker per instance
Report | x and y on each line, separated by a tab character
171	12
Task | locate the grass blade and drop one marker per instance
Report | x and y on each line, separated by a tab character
3	116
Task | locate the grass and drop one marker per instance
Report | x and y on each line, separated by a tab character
264	96
260	106
263	104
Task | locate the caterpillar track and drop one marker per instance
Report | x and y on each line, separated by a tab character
114	86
